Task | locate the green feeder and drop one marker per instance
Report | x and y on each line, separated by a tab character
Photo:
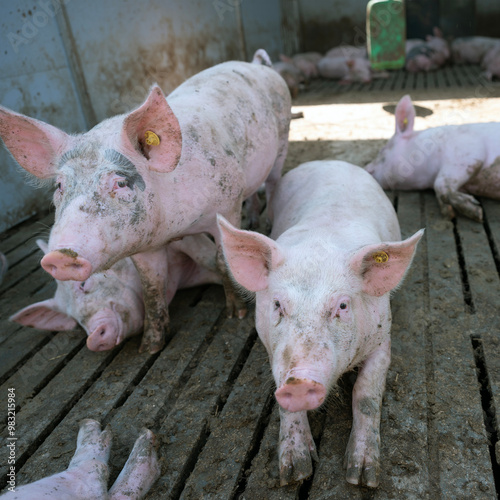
386	33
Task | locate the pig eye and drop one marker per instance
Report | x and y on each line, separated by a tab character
343	305
277	304
120	184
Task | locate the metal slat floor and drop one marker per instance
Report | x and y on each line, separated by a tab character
209	394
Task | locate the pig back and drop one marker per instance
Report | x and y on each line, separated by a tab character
340	199
234	119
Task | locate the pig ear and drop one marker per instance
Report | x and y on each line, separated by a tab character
286	59
405	116
43	246
153	129
382	266
44	316
35	145
250	256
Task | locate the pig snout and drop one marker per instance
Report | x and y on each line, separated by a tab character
65	264
103	337
299	394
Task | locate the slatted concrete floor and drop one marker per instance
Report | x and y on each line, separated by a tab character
209	396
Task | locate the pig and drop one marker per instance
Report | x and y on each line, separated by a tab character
322	282
87	474
137	181
458	161
472	49
109	305
347	70
293	76
491	63
4	265
427	55
348	51
306	63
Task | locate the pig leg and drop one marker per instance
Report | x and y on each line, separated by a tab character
86	476
296	447
274	176
363	450
235	304
153	267
252	211
447	185
140	472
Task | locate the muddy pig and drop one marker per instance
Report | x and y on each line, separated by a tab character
428	54
109	305
458	161
137	181
87	474
322	283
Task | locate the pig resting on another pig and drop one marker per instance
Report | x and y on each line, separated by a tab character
322	283
109	305
458	161
137	181
87	474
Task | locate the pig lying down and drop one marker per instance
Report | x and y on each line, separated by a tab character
322	303
87	474
135	182
109	305
458	161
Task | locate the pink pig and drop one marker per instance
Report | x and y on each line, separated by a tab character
491	63
87	474
322	282
109	305
472	49
458	161
138	181
345	69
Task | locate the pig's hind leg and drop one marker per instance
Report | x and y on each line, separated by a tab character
363	450
296	447
447	184
140	472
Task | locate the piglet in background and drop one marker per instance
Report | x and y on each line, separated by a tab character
87	474
491	63
307	62
458	161
109	305
472	49
345	69
427	55
322	282
348	51
3	266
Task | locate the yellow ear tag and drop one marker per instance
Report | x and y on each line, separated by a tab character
152	139
380	257
405	121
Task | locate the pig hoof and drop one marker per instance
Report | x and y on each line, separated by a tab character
362	469
467	205
294	468
151	347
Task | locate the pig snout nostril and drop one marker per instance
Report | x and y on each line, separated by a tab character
301	394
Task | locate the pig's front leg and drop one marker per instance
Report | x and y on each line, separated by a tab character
447	185
296	447
153	268
363	450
